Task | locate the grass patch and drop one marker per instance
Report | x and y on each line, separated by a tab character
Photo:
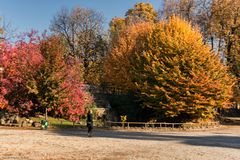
58	122
63	123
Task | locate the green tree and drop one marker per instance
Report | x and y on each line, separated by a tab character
46	85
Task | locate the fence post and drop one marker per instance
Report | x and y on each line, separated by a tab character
109	124
128	125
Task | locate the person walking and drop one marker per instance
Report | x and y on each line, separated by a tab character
89	123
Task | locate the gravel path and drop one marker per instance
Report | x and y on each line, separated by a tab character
220	144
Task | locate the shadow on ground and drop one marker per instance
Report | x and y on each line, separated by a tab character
210	140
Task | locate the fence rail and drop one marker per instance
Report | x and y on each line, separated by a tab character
104	90
160	125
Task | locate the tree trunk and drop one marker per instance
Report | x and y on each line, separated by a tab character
212	43
46	112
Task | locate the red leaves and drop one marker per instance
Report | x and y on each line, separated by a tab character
22	63
3	102
19	62
76	102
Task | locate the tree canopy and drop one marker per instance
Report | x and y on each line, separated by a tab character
170	69
37	77
81	29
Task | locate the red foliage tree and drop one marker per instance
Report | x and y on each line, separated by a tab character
37	77
78	98
20	61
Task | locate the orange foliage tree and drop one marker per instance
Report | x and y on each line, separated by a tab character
170	69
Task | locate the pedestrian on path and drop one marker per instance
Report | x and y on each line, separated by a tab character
89	123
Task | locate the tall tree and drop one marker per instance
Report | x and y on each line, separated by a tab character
225	27
170	69
140	13
183	8
56	86
219	21
37	78
20	63
116	25
117	65
197	12
82	31
45	87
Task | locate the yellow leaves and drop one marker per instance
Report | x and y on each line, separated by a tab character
32	87
170	67
142	12
116	25
1	31
177	34
118	63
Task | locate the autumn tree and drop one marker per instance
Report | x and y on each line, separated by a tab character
183	8
77	99
117	65
115	26
197	12
170	69
38	79
56	86
45	86
225	27
3	101
82	31
219	21
20	62
140	13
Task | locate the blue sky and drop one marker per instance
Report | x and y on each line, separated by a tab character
25	15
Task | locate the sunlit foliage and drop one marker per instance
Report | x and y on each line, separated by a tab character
170	69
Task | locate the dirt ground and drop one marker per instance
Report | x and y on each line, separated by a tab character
216	144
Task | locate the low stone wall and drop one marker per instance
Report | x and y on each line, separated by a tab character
7	119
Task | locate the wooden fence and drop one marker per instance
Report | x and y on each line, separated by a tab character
161	125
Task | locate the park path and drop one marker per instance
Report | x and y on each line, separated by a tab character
220	144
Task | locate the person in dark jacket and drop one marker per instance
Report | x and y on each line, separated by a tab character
89	123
